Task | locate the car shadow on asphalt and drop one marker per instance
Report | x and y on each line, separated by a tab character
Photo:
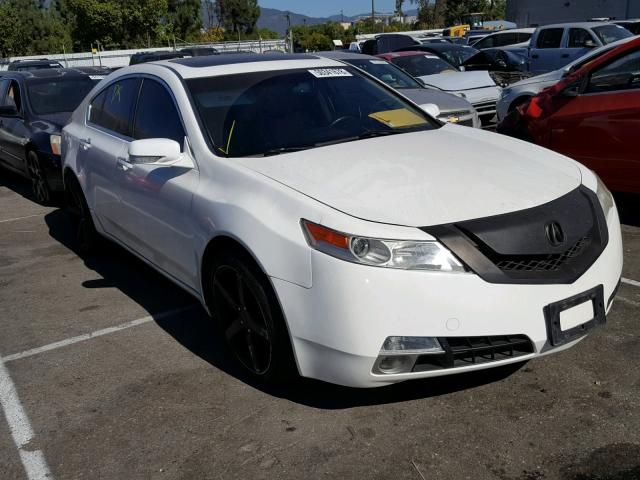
628	208
197	332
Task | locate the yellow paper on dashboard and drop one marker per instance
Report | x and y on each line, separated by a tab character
399	118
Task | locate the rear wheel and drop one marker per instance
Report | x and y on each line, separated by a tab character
250	319
86	235
41	191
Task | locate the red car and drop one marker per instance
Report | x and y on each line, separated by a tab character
592	115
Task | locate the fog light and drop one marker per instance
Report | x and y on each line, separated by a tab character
411	345
396	363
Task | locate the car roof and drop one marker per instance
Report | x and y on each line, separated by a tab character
218	65
576	24
409	53
52	73
444	47
344	55
513	30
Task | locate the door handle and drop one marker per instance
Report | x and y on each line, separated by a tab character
535	55
85	143
124	164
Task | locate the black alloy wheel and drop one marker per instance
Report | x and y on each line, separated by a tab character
39	186
85	231
250	319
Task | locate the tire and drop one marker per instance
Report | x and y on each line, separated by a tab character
87	237
249	318
39	186
518	101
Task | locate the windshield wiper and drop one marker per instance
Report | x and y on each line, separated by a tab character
379	133
278	151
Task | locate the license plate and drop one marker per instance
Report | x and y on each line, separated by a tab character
573	317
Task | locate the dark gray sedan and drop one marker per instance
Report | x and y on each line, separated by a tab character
451	108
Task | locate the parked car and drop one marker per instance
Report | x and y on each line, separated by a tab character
592	115
478	88
450	108
95	73
199	51
633	25
504	38
387	42
521	92
554	46
26	65
144	57
34	107
451	53
332	228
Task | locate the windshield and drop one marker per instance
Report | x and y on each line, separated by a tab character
457	55
267	113
421	65
57	95
387	73
611	33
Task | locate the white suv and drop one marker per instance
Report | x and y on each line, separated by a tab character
333	228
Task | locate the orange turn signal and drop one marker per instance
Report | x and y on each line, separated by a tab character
318	233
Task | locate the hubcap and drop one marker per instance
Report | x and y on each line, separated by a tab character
38	183
243	319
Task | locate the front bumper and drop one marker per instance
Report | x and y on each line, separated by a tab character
338	326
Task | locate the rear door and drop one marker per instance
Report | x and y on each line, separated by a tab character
600	127
547	51
155	211
106	139
14	134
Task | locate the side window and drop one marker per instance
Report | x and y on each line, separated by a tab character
487	42
4	83
156	115
12	99
116	110
505	39
578	37
523	37
550	38
621	74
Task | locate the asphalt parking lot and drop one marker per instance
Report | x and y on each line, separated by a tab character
108	371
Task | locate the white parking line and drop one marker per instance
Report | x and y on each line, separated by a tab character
21	431
628	281
97	333
22	218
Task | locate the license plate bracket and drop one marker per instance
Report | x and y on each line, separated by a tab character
556	335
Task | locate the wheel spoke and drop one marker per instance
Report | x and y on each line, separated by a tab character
234	329
252	353
225	294
255	327
240	288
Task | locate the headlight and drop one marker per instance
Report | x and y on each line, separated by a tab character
55	141
605	197
400	254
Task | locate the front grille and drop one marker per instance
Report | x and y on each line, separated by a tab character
465	351
541	263
485	108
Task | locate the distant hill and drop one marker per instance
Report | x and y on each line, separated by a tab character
276	20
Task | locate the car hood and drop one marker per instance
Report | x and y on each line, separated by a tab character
427	178
53	122
552	77
457	81
445	101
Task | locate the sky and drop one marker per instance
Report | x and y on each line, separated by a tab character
325	8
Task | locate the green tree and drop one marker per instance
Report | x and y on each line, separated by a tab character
237	16
184	19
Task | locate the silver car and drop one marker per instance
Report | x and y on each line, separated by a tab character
451	108
520	92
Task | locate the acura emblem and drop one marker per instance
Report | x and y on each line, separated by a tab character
555	235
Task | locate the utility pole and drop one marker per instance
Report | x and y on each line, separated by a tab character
341	16
373	13
288	15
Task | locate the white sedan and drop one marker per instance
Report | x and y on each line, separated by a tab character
332	228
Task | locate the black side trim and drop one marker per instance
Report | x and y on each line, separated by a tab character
513	248
614	293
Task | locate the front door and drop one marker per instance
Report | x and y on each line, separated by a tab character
14	135
155	210
600	127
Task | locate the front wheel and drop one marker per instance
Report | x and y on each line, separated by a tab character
250	319
39	186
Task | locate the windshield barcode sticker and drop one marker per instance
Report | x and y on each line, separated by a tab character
329	72
378	62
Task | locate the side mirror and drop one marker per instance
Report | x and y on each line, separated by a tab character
573	90
589	44
420	81
432	109
8	111
157	151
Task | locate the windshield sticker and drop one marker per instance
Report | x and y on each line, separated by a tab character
329	72
97	77
399	118
430	56
378	62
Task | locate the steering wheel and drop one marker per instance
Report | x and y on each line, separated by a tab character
343	119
